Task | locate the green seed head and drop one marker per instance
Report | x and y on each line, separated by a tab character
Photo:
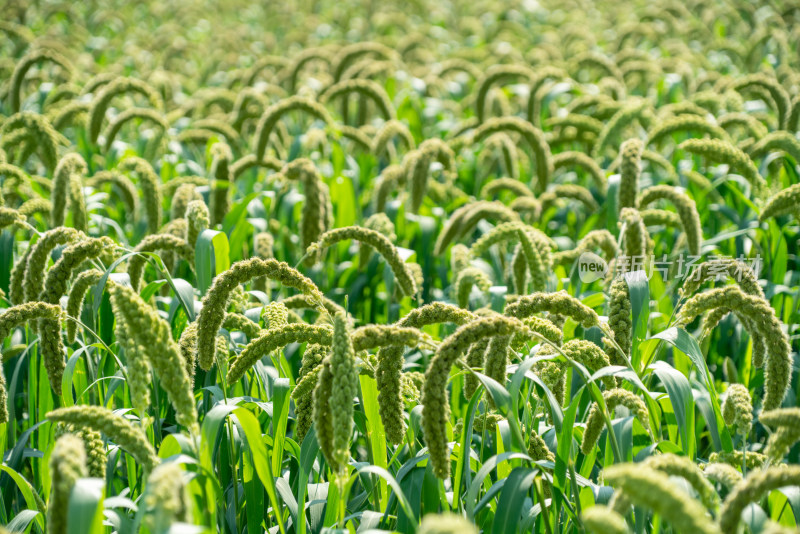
67	465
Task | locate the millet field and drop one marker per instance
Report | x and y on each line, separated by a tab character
357	266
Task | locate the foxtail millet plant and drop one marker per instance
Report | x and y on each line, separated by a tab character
634	110
777	373
737	409
496	359
648	488
512	185
390	364
366	88
184	194
149	184
682	466
500	150
498	74
274	113
475	358
761	81
561	192
216	301
381	223
197	219
719	151
463	221
572	159
323	417
263	243
682	123
436	408
723	474
739	459
418	166
276	315
116	87
635	238
273	339
619	321
67	465
590	356
751	489
145	329
317	214
464	282
71	168
344	388
594	240
19	315
34	264
166	498
77	293
377	241
55	286
21	68
117	428
29	133
137	367
595	421
687	211
379	335
122	186
95	447
142	114
222	181
630	169
735	269
786	434
601	519
774	142
153	243
533	136
313	356
558	303
389	131
784	202
389	180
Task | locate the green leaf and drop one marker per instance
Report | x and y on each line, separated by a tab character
27	492
212	424
281	390
211	257
611	203
69	371
499	394
686	343
398	491
680	395
471	500
85	509
510	504
7	255
639	290
23	520
346	206
308	453
376	435
462	464
564	453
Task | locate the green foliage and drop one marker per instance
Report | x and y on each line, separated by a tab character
298	268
